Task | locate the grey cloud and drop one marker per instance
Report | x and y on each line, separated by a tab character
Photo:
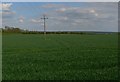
21	19
6	6
7	13
52	5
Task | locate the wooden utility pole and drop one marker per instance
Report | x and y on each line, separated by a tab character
44	18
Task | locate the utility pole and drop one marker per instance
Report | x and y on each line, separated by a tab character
44	18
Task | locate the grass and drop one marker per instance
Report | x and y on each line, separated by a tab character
60	57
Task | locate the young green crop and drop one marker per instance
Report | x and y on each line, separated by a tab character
60	57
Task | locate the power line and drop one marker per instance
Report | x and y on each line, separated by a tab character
44	18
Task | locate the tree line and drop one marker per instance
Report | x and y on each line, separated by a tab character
9	29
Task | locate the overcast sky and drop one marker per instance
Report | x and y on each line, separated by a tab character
62	16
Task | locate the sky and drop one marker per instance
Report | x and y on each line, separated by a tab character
59	0
62	16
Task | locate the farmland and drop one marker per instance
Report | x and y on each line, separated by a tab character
59	57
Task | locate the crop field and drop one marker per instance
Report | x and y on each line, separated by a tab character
60	57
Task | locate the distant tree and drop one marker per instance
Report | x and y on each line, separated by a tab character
11	29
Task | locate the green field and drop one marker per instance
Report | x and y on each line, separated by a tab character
60	57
